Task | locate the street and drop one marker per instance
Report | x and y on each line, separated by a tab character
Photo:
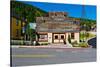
92	42
42	56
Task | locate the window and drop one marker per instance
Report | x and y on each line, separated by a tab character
17	32
76	22
62	36
72	35
43	37
56	37
17	22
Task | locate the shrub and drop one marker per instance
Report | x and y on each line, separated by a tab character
83	44
75	44
69	39
44	43
37	43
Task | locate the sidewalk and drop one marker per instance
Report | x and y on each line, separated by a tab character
44	46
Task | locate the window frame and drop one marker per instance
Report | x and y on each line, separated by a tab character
43	37
17	32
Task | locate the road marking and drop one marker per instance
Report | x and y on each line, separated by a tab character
33	56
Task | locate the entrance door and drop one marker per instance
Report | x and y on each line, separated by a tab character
62	38
58	38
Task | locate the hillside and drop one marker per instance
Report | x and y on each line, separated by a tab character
22	10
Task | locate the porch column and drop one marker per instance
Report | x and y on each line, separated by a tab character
77	37
66	38
49	37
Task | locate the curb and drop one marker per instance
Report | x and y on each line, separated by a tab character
48	47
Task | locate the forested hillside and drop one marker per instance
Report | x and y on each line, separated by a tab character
25	11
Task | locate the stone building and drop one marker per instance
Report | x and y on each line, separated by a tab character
55	27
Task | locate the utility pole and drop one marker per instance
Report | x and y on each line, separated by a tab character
83	16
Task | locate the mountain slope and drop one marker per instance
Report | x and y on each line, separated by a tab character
25	11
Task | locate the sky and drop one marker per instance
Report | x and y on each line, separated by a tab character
74	10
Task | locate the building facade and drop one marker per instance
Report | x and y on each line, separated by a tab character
16	28
56	27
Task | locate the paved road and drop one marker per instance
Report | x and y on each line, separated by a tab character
41	56
92	42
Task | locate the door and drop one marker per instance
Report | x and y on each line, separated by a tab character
58	38
62	38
